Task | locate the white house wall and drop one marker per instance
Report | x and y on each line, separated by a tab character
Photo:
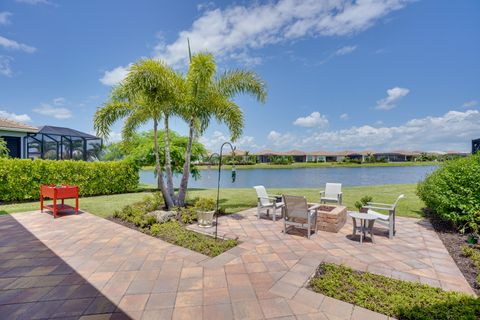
4	133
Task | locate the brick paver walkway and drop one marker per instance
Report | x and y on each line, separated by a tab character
85	266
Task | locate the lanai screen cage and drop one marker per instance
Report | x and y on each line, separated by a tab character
58	143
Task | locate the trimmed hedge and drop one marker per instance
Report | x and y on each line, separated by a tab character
20	179
453	192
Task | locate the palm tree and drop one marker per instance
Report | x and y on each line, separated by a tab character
207	96
150	91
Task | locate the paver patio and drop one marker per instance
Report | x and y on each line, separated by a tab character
87	267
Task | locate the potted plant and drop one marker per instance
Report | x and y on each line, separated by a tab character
363	202
205	209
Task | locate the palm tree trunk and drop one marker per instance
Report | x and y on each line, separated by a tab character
186	166
161	184
168	159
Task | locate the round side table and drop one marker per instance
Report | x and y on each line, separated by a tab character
365	224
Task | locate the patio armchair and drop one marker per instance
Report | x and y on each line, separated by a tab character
299	214
332	193
266	202
386	219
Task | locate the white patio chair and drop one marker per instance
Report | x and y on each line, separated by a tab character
332	193
266	202
386	219
298	214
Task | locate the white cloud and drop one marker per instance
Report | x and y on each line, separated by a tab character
393	96
344	116
60	101
115	76
243	28
470	103
315	119
345	50
5	17
451	131
34	2
281	140
14	45
5	68
15	117
214	142
60	113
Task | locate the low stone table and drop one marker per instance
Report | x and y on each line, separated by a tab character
331	218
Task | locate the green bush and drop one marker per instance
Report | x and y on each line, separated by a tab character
453	192
172	231
474	255
175	233
20	179
188	215
394	298
205	204
136	213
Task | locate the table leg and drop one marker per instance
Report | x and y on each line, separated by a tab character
370	228
76	205
41	203
54	207
354	221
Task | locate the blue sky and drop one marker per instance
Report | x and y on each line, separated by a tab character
376	74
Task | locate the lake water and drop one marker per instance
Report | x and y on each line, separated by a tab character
303	177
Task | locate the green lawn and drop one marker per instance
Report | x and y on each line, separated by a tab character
238	199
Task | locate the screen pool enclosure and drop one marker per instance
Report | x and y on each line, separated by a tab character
58	143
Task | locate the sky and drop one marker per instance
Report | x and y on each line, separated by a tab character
341	74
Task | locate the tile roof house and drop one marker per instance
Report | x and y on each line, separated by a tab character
14	134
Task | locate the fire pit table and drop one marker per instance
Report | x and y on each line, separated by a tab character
60	192
331	218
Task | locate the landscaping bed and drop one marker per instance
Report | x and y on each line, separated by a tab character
395	298
454	242
136	216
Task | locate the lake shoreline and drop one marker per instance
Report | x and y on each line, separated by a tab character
300	165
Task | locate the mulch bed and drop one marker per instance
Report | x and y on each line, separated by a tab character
454	241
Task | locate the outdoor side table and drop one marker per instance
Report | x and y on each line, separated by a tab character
58	193
365	226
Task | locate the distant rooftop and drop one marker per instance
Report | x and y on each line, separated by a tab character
11	125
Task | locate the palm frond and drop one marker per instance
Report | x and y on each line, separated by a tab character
108	114
239	81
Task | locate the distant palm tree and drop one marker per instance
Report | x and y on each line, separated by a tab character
208	95
150	91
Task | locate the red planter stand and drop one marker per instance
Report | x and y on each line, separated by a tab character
58	193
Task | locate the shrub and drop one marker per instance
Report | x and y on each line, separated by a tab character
205	204
188	215
395	298
136	213
174	233
453	192
20	179
474	255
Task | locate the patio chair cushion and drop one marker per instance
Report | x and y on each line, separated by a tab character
380	216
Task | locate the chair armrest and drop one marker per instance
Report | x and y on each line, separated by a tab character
314	207
378	208
380	204
322	193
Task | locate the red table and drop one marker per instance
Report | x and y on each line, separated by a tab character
56	193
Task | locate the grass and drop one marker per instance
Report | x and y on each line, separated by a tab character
320	165
234	200
395	298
